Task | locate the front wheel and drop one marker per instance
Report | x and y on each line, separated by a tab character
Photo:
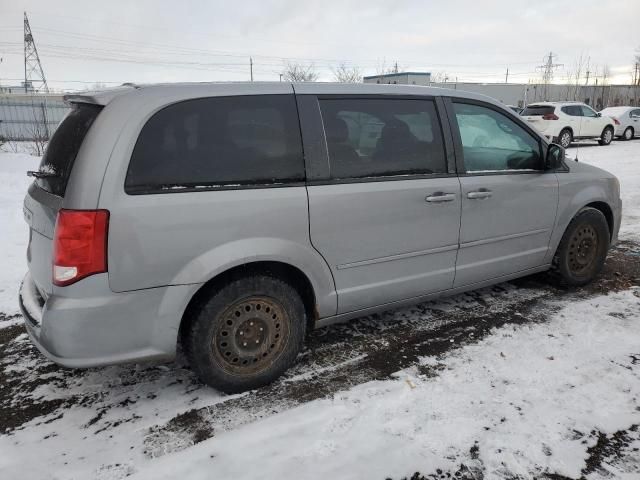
565	138
628	133
246	334
607	136
583	248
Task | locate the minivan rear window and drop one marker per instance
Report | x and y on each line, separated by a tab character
63	147
538	110
218	142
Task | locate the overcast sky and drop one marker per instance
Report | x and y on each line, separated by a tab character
111	41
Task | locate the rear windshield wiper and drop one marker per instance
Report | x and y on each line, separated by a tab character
38	174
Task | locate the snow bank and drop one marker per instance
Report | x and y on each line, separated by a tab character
14	232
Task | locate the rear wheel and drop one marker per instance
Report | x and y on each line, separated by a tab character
565	138
583	248
246	334
628	133
607	136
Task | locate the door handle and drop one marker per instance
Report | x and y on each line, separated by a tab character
479	194
439	197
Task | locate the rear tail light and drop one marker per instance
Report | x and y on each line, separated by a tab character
79	245
616	121
550	116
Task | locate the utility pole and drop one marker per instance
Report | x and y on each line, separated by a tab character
506	77
395	68
251	67
636	83
547	72
33	73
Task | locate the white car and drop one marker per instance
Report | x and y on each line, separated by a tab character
626	119
564	122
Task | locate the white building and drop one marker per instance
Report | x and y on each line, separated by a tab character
400	78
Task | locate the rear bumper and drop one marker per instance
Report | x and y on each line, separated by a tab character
104	328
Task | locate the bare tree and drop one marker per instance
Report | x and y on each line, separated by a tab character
297	72
574	76
344	74
38	129
383	68
440	77
606	73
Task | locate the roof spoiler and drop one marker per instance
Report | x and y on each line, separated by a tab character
100	97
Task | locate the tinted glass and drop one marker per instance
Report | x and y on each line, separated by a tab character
538	110
382	137
492	142
587	112
213	142
573	110
635	114
63	147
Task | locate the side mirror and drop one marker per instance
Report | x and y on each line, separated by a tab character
598	114
555	157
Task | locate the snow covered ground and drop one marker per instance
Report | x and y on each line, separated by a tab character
14	235
521	380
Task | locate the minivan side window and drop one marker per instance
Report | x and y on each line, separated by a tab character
492	141
382	137
218	142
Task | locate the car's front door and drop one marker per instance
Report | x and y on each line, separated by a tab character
508	201
386	217
592	124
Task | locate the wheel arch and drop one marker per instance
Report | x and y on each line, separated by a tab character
606	211
284	271
567	127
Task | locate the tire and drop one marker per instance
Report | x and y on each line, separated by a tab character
628	133
583	248
565	138
246	333
606	137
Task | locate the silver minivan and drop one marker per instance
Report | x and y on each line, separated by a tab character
232	218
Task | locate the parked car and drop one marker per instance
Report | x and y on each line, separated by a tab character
626	119
564	122
233	218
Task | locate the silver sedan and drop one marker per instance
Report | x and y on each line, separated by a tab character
626	119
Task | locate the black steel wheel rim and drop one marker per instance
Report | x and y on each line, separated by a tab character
583	249
251	335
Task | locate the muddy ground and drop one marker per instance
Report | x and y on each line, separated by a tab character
336	358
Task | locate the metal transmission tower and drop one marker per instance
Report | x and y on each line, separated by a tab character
33	73
547	72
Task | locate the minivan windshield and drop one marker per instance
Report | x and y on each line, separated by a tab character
63	148
535	110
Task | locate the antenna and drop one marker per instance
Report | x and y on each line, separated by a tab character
33	73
